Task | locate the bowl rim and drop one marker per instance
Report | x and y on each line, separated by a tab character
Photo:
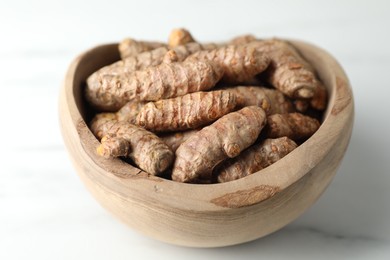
247	191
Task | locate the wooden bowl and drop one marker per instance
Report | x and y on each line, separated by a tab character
211	215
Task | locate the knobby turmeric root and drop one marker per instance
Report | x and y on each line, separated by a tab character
255	158
113	147
318	101
271	100
179	37
174	140
280	104
130	111
186	112
101	123
225	138
242	39
129	47
146	59
160	82
295	126
288	71
240	63
147	151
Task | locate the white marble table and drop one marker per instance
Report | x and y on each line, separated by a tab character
45	211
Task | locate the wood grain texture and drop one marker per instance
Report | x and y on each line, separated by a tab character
217	214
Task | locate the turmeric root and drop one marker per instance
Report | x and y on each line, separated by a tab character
254	159
129	47
113	147
251	96
225	138
241	63
141	61
320	98
318	101
144	60
242	39
130	111
147	151
295	126
271	100
301	105
170	56
288	71
186	112
154	83
279	103
179	37
174	140
101	123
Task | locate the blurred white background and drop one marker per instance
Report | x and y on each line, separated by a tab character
46	213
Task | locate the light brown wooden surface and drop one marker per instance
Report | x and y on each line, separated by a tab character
217	214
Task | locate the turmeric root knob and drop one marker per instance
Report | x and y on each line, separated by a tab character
129	47
293	125
179	37
174	140
186	112
101	123
254	159
288	71
113	147
144	60
225	138
242	39
147	151
129	111
271	100
241	63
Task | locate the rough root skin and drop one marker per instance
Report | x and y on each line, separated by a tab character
254	159
154	83
129	47
142	61
133	63
130	111
113	147
295	126
170	56
225	138
279	103
101	123
242	39
174	140
179	37
241	63
271	100
186	112
147	151
288	71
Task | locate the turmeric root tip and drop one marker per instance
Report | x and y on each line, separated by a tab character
296	126
254	159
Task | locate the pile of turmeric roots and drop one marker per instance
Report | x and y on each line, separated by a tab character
204	112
